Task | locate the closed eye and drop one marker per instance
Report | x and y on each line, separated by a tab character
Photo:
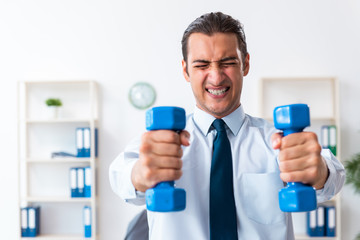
201	66
229	63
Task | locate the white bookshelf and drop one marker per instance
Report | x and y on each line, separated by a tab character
44	181
321	95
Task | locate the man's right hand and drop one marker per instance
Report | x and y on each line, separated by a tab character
160	158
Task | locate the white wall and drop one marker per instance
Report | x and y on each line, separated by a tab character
118	43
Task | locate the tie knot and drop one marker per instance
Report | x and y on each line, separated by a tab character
219	125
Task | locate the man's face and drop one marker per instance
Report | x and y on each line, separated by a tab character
215	71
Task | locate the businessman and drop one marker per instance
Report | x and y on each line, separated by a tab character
215	61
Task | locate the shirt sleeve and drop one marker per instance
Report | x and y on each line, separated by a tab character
120	174
336	178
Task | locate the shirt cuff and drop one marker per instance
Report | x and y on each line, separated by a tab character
328	191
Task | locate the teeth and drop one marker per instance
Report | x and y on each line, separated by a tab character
217	91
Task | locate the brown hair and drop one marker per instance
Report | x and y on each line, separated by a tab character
215	22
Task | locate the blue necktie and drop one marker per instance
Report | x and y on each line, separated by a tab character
222	203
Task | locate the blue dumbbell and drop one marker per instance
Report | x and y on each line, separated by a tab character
296	196
164	197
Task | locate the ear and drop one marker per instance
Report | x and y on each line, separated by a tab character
185	73
246	65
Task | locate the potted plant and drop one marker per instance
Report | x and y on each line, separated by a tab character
352	167
53	106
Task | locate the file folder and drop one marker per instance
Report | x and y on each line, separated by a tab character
87	141
80	142
325	136
87	221
33	221
73	182
320	221
87	186
330	221
311	223
24	222
80	181
332	139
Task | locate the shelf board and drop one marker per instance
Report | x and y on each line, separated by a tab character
306	237
60	199
60	120
59	160
59	237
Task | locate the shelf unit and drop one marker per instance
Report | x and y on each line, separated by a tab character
321	95
44	181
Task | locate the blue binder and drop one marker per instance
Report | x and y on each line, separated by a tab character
80	181
87	221
30	221
73	182
80	142
87	141
330	221
311	223
87	182
320	221
24	222
83	142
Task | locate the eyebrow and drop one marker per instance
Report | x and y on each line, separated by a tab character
221	60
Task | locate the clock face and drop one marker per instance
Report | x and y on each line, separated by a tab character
142	95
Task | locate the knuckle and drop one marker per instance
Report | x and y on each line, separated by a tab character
148	174
315	148
179	151
312	135
312	173
145	147
146	160
285	177
173	136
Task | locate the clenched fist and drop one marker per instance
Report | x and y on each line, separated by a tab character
160	158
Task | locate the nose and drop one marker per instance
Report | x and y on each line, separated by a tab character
215	75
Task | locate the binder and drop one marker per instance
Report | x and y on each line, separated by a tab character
87	185
83	142
30	221
332	139
87	221
80	181
24	222
73	182
325	136
87	141
330	221
328	138
80	142
320	221
311	223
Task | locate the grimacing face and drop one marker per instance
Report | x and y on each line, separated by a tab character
215	70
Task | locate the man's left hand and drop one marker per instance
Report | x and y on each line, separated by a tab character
300	159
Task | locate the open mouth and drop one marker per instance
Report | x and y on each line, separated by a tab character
218	92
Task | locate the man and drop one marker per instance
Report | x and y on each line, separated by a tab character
215	60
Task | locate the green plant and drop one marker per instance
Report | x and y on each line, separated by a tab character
352	167
53	102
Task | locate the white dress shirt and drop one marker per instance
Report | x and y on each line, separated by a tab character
256	181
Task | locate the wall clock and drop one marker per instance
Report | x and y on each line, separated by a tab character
142	95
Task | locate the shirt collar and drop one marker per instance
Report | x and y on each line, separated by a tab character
234	120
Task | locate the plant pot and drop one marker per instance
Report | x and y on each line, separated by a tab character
53	112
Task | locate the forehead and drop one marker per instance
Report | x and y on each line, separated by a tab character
213	47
